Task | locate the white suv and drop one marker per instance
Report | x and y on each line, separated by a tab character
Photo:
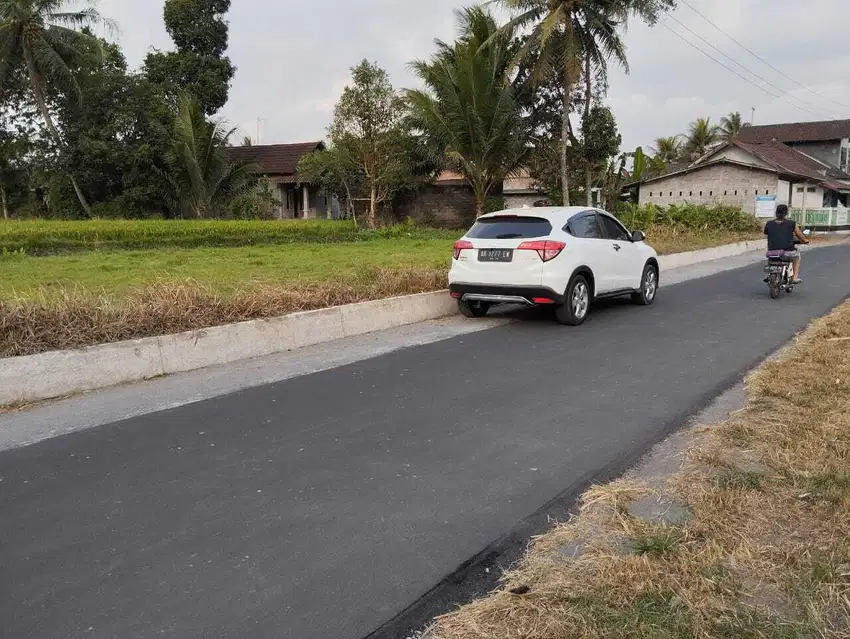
564	257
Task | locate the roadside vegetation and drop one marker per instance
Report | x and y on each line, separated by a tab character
759	547
72	284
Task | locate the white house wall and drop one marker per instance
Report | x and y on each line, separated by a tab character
807	196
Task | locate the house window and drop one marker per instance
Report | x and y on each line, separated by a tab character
690	192
700	193
710	193
725	192
757	191
767	191
845	158
680	193
811	189
671	193
799	189
650	194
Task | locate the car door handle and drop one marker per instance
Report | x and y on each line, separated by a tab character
616	247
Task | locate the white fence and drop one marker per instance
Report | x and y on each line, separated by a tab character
833	218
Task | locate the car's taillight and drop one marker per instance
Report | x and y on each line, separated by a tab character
459	246
546	249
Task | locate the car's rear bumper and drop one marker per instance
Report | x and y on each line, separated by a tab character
505	294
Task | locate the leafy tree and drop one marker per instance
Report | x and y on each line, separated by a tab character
600	141
469	112
40	37
564	33
334	171
203	182
200	33
369	128
701	136
731	125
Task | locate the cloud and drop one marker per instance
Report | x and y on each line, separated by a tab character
293	59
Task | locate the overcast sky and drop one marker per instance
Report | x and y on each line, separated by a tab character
294	56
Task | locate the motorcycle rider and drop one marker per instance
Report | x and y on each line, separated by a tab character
780	233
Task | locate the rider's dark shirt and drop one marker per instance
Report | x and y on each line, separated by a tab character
780	235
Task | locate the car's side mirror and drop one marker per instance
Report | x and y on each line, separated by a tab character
638	236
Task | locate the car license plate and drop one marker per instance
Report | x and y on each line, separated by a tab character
495	255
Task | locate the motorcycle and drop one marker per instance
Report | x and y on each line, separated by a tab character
780	270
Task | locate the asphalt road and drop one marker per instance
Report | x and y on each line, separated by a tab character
321	506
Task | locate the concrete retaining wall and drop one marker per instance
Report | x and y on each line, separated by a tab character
59	373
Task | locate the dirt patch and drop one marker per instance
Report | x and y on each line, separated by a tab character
747	535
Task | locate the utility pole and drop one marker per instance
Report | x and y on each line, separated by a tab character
259	120
753	115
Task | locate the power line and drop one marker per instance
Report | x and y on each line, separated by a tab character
762	60
731	70
755	75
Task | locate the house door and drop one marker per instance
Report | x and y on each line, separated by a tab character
297	204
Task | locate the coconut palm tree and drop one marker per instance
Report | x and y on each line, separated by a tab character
203	181
668	149
701	136
42	37
468	112
731	125
564	33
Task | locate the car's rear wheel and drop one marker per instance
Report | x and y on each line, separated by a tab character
472	309
648	286
574	311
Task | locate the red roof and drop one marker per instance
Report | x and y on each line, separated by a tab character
822	131
785	159
274	159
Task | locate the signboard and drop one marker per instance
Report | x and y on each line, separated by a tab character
765	206
841	218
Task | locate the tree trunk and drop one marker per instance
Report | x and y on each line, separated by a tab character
588	88
565	140
35	85
373	204
4	202
480	201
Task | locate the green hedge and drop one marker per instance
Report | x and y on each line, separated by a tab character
47	237
693	217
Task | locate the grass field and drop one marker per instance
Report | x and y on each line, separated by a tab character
231	269
49	237
72	284
765	552
226	270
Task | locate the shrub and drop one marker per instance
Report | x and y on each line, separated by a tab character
691	217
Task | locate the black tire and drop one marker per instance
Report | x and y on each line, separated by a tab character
773	285
574	311
473	309
648	286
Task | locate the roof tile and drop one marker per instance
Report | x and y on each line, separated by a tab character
822	131
274	159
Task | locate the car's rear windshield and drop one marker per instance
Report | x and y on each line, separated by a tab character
508	227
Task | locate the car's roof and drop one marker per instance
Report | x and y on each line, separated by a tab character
548	212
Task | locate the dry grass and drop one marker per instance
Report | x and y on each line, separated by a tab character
766	552
71	319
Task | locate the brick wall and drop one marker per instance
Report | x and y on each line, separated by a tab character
717	184
441	206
